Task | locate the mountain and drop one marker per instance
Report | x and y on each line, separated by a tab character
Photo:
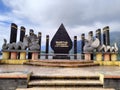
115	38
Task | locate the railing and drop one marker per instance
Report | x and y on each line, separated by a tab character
77	56
51	55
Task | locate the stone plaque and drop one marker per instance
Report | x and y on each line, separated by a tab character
61	43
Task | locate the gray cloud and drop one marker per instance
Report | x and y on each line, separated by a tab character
79	16
70	12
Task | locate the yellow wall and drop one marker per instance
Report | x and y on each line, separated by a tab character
13	61
108	63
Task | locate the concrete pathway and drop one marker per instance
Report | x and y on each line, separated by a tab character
53	71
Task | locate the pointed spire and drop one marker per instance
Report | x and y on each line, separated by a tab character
62	27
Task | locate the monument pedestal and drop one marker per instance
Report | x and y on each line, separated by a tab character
61	57
87	56
107	57
113	56
5	55
34	55
22	55
98	56
13	55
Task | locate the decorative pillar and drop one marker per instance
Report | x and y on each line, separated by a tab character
13	38
13	34
22	33
29	53
91	34
98	56
5	55
34	55
47	46
98	35
107	57
75	47
106	36
82	45
39	37
13	55
23	55
114	56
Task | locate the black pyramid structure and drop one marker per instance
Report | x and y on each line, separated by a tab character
61	43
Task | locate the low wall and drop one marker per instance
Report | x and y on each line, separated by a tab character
19	62
14	80
110	81
108	63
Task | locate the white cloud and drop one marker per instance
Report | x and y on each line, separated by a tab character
79	16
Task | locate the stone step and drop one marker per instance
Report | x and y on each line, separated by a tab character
63	61
61	64
65	83
66	88
38	77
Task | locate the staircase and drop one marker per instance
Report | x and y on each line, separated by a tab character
61	63
64	81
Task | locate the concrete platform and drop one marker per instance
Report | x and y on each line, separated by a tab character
59	71
62	63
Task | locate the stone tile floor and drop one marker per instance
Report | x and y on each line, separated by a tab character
86	71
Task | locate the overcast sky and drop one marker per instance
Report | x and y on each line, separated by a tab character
78	16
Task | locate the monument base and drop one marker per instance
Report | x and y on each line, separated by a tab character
61	57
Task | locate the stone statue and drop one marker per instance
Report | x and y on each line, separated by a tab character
16	46
5	45
91	44
22	45
108	48
31	42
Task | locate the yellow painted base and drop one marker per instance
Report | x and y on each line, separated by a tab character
113	57
14	62
108	63
5	55
99	56
22	55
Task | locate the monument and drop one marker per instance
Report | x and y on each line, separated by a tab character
61	43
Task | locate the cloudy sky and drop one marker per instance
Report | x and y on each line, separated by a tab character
78	16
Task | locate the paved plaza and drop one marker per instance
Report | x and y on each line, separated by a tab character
53	71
